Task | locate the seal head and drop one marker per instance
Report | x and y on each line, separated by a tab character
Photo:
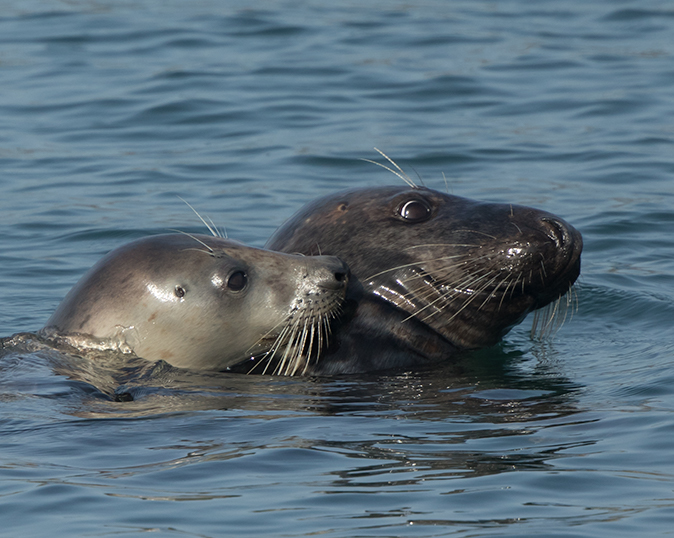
204	302
431	272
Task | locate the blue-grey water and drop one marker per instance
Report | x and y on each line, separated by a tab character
110	111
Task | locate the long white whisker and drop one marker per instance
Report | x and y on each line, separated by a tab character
403	266
492	295
213	229
441	245
407	178
401	174
472	298
195	238
444	297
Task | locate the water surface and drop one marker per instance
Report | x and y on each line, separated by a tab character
111	111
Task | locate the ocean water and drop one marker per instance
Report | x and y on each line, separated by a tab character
112	113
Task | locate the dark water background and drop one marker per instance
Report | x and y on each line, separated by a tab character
111	110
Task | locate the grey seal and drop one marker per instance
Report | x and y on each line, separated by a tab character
204	302
431	273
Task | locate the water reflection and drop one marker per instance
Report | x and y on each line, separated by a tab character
470	418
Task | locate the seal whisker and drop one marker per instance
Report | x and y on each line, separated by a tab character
549	319
546	320
463	307
272	351
413	264
460	286
286	339
492	295
479	291
220	234
466	263
427	245
287	350
299	342
294	351
293	365
409	179
207	252
304	356
465	285
267	335
392	171
436	283
192	236
467	303
475	293
512	290
505	292
401	173
311	344
443	296
317	336
440	275
213	229
458	230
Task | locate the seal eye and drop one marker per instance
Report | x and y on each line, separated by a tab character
179	292
237	281
414	211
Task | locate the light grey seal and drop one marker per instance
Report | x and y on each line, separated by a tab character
203	302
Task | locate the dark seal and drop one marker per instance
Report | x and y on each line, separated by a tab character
431	273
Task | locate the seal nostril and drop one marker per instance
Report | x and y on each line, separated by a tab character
556	230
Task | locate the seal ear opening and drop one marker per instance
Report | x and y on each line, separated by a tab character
179	291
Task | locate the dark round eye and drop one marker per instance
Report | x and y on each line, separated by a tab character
237	281
179	291
414	211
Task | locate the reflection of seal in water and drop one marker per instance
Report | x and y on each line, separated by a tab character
432	273
204	302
